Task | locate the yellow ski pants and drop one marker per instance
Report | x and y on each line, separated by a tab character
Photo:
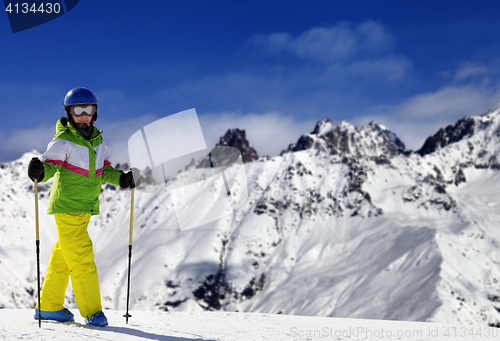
73	256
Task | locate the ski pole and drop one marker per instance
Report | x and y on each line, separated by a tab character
39	317
127	315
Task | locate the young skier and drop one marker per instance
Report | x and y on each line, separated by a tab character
79	161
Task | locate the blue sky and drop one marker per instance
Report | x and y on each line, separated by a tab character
273	68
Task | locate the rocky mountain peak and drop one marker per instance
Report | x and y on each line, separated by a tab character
487	125
237	138
464	128
372	140
471	141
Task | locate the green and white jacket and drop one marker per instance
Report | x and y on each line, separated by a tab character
79	167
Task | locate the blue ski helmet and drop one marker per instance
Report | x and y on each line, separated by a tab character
78	96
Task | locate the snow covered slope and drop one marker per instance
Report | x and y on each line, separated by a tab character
18	324
344	223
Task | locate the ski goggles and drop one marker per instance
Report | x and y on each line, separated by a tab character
79	110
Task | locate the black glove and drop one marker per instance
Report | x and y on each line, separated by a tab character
35	169
127	179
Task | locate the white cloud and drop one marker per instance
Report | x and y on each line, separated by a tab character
325	44
467	70
328	44
446	103
374	36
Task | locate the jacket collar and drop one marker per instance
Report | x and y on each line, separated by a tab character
63	125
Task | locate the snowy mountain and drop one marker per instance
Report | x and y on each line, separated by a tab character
344	223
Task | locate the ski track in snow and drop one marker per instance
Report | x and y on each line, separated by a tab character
18	324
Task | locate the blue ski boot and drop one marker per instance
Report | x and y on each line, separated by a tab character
63	315
98	319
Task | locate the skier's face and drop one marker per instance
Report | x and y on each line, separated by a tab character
82	119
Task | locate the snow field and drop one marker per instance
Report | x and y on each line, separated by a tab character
222	326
